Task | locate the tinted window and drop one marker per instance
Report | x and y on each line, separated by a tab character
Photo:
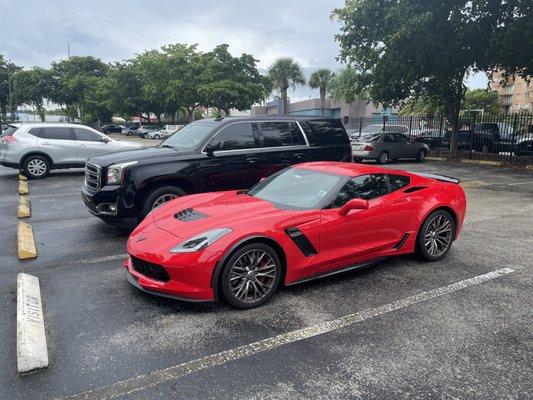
327	131
389	138
365	187
275	134
191	136
9	131
397	182
401	138
57	133
235	137
86	135
37	132
296	135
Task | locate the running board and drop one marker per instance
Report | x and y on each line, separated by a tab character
338	271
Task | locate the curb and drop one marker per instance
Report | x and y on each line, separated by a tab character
467	161
32	353
436	158
26	241
24	208
493	163
22	178
529	167
23	187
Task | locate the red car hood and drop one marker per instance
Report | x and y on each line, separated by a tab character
209	211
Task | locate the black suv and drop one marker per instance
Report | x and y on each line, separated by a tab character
205	156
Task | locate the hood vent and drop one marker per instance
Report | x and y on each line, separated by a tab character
189	215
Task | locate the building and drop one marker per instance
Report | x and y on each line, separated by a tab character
515	95
349	113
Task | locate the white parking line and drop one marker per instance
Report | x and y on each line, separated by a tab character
520	183
55	195
151	379
32	352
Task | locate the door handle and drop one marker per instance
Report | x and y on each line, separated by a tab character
81	145
299	156
45	143
252	160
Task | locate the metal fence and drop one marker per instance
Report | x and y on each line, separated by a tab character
504	138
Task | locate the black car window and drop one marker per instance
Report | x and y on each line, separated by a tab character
389	138
401	138
365	187
235	137
275	134
327	131
86	135
37	132
397	182
296	135
58	133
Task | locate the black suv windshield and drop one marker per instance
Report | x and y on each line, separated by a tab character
298	188
190	137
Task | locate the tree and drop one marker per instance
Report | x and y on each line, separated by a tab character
321	79
481	99
345	86
422	105
33	87
416	48
8	100
285	73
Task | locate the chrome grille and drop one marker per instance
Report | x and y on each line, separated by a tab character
93	177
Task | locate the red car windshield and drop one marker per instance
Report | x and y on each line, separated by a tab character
299	188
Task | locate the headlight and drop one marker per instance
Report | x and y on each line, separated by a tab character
201	241
115	172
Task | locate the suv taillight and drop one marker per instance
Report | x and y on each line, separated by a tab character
368	148
8	139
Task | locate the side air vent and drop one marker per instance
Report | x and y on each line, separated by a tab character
303	243
414	189
189	215
400	244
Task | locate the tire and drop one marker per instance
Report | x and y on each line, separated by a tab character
36	167
146	136
383	158
157	137
421	155
485	147
156	198
357	160
234	271
439	243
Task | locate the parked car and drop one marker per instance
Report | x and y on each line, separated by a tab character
171	128
111	128
383	147
160	134
377	128
145	129
38	148
131	128
305	222
207	155
485	138
524	146
432	137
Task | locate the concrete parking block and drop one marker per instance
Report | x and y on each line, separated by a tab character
467	161
26	241
22	178
436	158
23	187
529	167
493	163
24	208
32	353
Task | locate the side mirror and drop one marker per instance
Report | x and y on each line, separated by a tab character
104	140
212	147
353	204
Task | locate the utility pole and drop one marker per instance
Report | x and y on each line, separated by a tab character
68	49
9	88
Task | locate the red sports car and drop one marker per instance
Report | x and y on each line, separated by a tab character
305	222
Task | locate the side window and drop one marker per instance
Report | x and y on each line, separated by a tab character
296	135
57	133
235	137
327	131
86	135
275	134
397	182
401	138
365	187
389	138
37	132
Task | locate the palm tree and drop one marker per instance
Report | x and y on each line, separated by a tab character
283	73
321	79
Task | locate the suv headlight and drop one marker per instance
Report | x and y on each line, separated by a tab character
201	241
115	172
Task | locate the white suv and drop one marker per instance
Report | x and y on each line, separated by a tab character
38	148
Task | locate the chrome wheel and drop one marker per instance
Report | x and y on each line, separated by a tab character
438	235
383	157
421	155
37	167
252	276
163	199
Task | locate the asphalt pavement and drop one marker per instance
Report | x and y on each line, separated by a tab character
400	329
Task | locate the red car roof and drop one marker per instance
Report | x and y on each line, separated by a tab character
347	169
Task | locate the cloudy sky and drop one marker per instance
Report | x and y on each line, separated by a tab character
37	32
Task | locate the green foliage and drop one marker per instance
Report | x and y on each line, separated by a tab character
321	79
483	99
420	48
345	86
33	87
285	73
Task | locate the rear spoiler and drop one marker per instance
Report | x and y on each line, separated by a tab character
442	178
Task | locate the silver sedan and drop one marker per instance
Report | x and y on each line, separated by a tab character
383	147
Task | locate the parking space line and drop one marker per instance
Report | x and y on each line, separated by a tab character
55	195
520	183
154	378
32	353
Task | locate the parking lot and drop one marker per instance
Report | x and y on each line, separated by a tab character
399	329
